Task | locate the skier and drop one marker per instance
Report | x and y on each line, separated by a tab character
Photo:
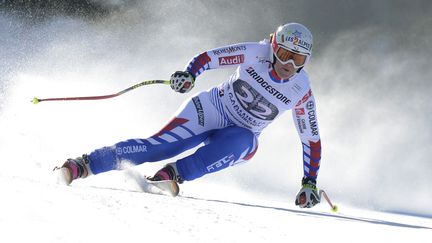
228	119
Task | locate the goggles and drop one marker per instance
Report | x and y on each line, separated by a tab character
286	56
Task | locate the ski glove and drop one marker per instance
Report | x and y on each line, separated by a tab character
182	82
308	195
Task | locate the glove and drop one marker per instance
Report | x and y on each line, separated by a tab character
308	195
182	82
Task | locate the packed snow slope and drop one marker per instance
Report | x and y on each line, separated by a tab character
38	211
370	74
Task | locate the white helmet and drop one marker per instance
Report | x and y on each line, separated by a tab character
295	38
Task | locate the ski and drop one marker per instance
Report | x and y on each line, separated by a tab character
63	176
166	187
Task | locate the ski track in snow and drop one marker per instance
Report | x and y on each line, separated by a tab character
34	210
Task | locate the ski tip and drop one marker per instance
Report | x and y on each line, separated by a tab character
63	176
175	189
167	188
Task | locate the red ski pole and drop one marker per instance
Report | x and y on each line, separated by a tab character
334	208
100	97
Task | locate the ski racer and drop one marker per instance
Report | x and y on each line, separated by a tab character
269	79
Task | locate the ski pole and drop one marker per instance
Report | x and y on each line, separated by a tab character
37	100
334	208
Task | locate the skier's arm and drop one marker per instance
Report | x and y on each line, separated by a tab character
305	119
225	57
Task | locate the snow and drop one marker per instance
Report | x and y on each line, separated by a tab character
376	155
33	210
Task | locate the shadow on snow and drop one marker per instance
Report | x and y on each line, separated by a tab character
306	213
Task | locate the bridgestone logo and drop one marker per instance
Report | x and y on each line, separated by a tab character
273	91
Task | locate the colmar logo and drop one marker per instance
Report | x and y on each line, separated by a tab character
231	60
131	149
310	105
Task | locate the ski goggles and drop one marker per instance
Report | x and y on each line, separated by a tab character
286	56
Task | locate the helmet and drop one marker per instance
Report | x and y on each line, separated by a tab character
292	43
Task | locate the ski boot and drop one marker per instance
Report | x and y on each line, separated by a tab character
74	168
165	181
168	172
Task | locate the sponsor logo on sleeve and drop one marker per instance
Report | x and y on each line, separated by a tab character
301	124
200	110
305	98
299	111
310	105
231	60
229	50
